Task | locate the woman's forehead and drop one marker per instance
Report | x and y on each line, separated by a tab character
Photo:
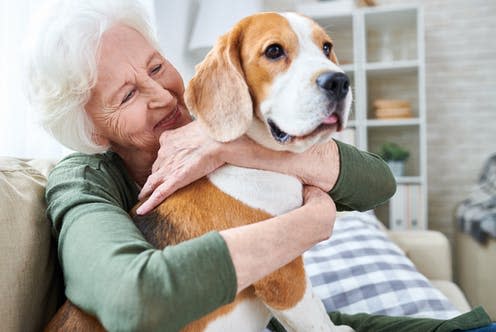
123	52
121	44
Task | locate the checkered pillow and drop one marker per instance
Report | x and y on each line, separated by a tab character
361	270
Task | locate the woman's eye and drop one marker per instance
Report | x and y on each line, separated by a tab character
327	48
274	51
128	96
156	69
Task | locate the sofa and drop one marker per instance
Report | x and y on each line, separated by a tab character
476	270
475	239
31	281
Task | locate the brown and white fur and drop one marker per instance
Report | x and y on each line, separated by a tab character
288	102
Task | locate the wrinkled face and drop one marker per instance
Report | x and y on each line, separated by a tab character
138	93
300	95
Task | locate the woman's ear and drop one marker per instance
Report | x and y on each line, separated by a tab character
218	95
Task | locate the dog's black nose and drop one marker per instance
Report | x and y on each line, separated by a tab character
335	84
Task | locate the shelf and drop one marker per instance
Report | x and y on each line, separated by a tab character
382	51
392	122
396	83
393	67
391	35
409	180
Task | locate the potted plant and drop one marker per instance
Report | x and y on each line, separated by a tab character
395	156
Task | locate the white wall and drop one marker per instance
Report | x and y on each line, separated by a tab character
174	23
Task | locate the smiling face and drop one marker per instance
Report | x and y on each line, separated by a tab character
138	93
300	94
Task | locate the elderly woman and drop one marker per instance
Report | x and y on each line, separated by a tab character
105	90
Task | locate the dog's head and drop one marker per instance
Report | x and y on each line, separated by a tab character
274	77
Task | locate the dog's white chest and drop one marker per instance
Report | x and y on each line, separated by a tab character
271	192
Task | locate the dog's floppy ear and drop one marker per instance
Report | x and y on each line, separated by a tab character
334	58
218	94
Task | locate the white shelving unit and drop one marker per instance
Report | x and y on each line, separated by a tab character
382	51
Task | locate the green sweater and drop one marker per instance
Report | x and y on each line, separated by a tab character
111	271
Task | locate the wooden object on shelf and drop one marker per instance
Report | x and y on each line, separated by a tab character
391	103
393	113
392	109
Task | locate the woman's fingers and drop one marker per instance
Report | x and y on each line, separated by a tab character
157	197
174	175
151	184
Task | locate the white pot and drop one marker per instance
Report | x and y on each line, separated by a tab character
397	167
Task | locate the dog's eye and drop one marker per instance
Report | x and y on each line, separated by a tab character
274	51
327	48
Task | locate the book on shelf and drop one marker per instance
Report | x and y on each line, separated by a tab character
406	210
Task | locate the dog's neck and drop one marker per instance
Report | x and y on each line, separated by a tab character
274	193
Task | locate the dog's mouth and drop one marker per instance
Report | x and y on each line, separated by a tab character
278	134
332	122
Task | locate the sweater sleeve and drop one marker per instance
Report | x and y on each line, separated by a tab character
365	181
113	273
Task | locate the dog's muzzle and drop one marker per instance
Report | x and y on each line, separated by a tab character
336	85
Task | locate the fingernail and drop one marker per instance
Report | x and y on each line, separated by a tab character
139	211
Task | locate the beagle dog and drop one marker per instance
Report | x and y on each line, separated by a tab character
274	77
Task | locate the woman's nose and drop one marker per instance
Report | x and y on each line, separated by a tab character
160	97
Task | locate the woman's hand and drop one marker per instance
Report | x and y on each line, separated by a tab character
186	154
320	208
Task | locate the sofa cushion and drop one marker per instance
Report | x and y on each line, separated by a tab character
29	280
359	269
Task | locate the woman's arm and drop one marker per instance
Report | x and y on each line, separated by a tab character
111	271
356	180
285	237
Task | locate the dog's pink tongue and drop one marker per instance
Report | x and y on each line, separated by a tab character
331	119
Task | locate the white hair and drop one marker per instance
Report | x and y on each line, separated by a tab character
62	51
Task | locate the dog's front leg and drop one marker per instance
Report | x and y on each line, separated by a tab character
288	295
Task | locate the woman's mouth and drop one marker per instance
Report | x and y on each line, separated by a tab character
169	120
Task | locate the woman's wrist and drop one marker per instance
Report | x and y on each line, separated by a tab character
320	165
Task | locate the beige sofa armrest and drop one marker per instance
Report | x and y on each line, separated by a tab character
429	250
